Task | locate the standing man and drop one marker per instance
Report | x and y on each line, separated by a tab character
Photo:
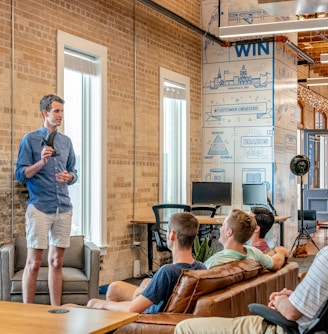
46	163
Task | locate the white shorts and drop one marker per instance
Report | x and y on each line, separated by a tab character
41	226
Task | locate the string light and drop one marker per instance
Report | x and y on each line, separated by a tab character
315	100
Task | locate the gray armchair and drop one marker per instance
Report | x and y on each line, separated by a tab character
80	272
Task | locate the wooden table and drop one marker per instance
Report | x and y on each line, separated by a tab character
280	220
217	220
35	318
324	226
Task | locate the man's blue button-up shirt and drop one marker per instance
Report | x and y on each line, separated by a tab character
45	193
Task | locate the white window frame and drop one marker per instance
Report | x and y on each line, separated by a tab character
167	75
98	170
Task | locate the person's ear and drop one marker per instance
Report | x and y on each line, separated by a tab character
44	113
229	232
172	235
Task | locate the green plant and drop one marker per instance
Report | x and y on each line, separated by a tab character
202	251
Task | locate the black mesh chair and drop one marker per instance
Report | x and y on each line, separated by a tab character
318	325
205	231
163	212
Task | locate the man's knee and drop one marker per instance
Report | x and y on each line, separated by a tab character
114	291
33	265
56	263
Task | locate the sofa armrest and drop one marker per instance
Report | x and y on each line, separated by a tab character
159	323
92	267
7	265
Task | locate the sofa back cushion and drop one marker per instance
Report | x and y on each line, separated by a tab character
73	256
195	283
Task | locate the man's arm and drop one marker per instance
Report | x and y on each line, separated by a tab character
46	153
137	305
279	258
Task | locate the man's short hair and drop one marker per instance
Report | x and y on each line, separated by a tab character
242	224
264	219
185	225
46	101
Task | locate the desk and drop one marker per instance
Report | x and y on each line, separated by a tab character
324	227
35	319
217	220
280	220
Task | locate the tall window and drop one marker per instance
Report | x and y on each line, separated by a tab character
174	137
82	82
320	120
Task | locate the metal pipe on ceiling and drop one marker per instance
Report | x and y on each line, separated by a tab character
183	21
218	40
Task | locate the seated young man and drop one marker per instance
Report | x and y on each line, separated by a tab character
300	305
236	229
264	220
154	294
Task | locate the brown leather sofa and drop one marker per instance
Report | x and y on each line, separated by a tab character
224	290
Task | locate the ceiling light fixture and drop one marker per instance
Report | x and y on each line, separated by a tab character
324	58
317	81
299	52
324	37
273	28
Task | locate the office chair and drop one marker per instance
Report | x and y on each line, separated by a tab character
318	324
163	212
205	231
309	220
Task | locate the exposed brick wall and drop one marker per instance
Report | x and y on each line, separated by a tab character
160	42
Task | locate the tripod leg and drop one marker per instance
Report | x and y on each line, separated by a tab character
305	232
297	239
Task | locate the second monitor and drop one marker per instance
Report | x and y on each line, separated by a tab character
255	194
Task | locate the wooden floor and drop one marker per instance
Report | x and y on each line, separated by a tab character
318	239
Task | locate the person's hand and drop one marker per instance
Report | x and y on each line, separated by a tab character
64	177
274	295
283	250
96	303
274	303
46	153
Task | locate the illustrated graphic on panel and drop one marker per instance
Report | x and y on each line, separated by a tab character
253	175
218	147
247	16
239	80
257	145
215	175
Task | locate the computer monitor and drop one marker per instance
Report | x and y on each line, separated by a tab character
255	194
211	193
